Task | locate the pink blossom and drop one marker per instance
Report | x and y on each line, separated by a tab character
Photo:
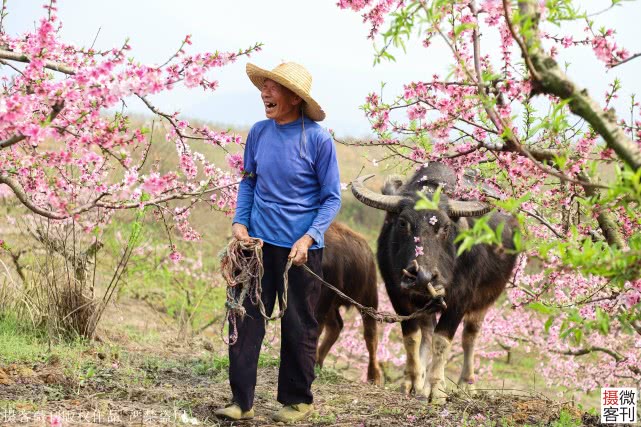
55	420
235	161
567	42
418	250
418	154
175	256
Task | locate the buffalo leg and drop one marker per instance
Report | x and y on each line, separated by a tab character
333	327
472	325
441	345
427	330
414	369
370	331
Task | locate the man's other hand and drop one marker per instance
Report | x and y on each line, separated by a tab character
298	255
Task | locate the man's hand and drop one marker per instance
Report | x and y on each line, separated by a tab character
299	250
239	231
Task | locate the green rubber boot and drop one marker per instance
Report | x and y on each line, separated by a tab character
292	413
234	413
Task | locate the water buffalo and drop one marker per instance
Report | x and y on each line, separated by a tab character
348	264
416	252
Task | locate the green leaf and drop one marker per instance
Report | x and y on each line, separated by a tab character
603	321
460	28
145	196
542	308
577	335
426	203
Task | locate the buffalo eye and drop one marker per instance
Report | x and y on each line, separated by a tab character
444	231
404	225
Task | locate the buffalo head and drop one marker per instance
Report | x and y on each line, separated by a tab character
420	242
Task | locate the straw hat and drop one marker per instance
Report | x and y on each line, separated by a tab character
295	78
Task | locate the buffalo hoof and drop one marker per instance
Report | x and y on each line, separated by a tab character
414	389
375	375
438	395
414	384
406	387
427	390
467	387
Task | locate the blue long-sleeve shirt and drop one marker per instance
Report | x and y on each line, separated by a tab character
291	186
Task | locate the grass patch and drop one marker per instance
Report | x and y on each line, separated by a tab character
19	343
154	364
327	376
218	365
566	419
323	419
141	337
384	410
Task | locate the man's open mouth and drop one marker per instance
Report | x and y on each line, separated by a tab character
269	106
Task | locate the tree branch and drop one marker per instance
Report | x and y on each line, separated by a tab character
55	110
25	200
19	57
606	220
11	141
553	81
96	202
526	57
583	351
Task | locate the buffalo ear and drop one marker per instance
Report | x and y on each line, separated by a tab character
392	184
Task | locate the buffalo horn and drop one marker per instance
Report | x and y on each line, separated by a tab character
459	208
373	199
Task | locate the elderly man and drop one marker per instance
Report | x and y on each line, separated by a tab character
288	198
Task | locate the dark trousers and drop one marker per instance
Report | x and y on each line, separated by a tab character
299	331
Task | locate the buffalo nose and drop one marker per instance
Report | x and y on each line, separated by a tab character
424	277
412	269
410	275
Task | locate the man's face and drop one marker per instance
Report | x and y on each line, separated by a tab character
281	104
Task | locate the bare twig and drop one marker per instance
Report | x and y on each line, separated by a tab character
3	13
524	51
95	38
10	65
636	55
543	221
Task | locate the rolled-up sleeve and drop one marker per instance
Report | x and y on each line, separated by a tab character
330	189
245	199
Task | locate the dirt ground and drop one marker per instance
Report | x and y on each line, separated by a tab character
159	379
110	399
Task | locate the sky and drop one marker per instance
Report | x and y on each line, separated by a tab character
331	43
